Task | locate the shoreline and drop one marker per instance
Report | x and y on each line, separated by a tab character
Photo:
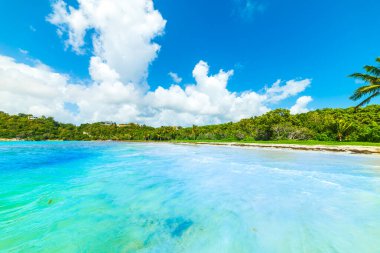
368	150
350	149
12	139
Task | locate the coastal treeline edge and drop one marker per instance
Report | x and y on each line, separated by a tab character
350	124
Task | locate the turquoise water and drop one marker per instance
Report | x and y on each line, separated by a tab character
122	197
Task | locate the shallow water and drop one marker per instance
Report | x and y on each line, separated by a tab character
123	197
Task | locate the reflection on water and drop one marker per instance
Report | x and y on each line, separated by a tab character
120	197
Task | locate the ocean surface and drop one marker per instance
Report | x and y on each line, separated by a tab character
128	197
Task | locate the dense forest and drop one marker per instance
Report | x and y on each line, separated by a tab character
351	124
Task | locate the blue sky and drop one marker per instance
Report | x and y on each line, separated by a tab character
322	40
262	41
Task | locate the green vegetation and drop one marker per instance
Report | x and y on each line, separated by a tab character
372	87
327	125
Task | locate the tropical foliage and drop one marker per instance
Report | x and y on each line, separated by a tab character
349	124
371	78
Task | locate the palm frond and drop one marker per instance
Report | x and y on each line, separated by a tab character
369	88
372	89
365	77
367	100
372	70
365	90
357	95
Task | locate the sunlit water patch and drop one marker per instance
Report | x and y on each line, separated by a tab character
123	197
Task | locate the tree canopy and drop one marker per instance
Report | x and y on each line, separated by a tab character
348	124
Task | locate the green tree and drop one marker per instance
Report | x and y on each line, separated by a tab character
372	87
342	129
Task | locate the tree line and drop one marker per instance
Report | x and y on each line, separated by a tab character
350	124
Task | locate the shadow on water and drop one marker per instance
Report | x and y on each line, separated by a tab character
178	226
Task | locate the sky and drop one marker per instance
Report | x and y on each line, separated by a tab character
181	62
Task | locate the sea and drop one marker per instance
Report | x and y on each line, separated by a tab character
161	197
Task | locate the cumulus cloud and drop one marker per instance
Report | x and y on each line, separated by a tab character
175	77
206	101
278	93
123	37
31	89
41	91
123	48
301	105
209	100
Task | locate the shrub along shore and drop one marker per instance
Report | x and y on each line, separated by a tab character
348	126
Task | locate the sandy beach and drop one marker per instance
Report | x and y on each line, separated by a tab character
333	148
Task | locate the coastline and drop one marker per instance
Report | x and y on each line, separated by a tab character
369	150
350	149
5	139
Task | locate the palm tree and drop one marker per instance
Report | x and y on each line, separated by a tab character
343	129
372	89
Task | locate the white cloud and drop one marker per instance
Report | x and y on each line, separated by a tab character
123	49
209	101
101	72
277	92
123	37
206	101
41	91
176	78
31	89
301	105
